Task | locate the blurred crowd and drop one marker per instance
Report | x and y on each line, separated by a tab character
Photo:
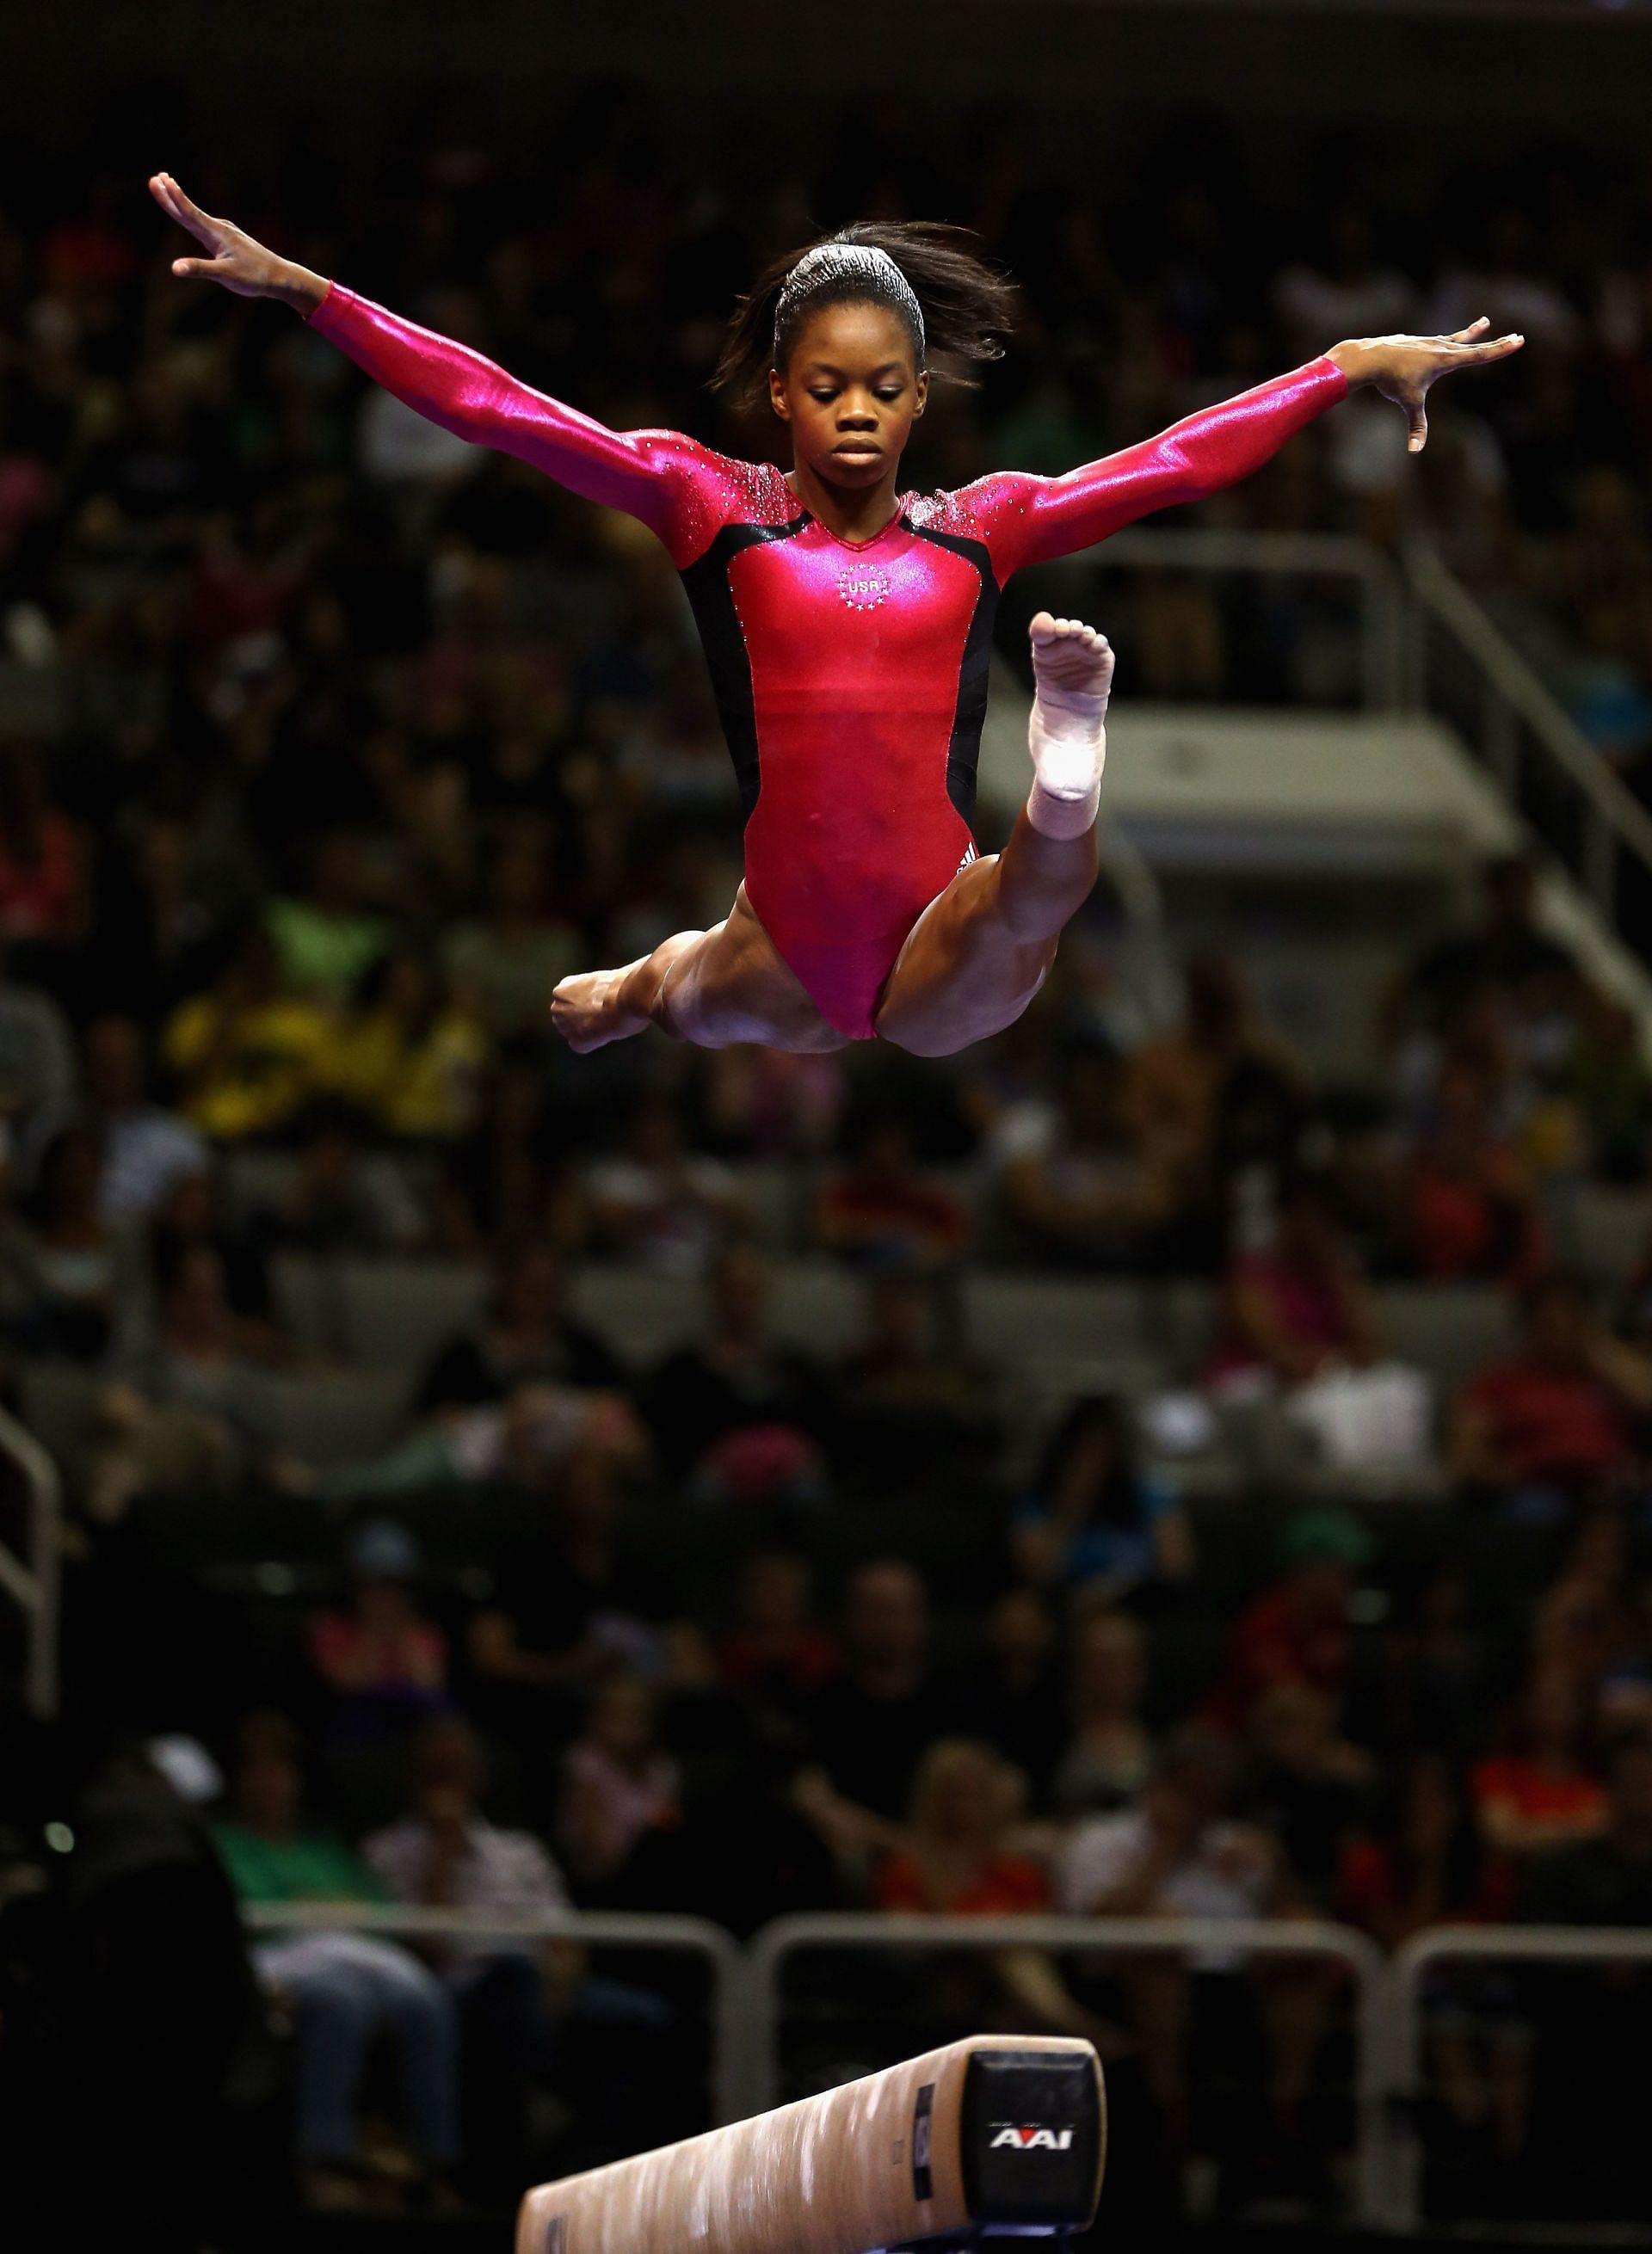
327	746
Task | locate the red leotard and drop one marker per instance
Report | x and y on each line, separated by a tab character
852	676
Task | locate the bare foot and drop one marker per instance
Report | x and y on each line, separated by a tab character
585	1010
1073	674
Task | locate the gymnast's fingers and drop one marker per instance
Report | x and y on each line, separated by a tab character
188	213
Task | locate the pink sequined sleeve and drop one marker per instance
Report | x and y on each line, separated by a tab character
1028	519
659	477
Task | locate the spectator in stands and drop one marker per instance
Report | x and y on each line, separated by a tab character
1604	1879
1580	1618
619	1786
1419	1861
45	893
1555	1422
1300	1307
1218	1099
575	1602
84	1274
1607	1079
1170	1853
245	1055
187	1414
867	1730
957	1857
1308	1787
510	1180
1297	1631
1346	290
1433	1668
1422	1863
37	1065
775	1656
1468	1212
384	1663
737	1380
911	1405
879	1211
343	1196
1078	1181
1542	1791
1094	1525
516	1996
1108	1753
145	1149
196	1211
1507	949
524	1338
653	1201
1012	1699
508	958
957	1854
347	1989
407	1053
328	937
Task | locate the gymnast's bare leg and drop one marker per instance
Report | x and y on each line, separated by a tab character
713	988
979	953
975	958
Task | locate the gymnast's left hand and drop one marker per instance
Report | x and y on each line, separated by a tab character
1402	368
239	264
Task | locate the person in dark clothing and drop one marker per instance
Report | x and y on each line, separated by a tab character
868	1728
1588	2100
524	1338
1015	1700
735	1379
1607	1879
138	2035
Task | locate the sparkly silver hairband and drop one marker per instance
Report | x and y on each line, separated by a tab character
831	263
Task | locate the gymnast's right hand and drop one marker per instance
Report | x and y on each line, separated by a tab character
237	263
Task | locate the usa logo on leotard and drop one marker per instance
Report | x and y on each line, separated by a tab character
863	590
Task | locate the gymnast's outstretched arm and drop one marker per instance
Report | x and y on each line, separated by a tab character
640	471
1029	520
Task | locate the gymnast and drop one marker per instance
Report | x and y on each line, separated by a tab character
848	624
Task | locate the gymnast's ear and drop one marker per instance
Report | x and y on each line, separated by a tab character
777	394
922	389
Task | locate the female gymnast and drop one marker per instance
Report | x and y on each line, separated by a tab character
848	624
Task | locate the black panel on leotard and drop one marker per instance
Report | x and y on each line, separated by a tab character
711	599
963	754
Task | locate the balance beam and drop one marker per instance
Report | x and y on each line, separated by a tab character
1006	2131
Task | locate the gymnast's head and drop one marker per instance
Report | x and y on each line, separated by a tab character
843	338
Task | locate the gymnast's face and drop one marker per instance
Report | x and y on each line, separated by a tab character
851	390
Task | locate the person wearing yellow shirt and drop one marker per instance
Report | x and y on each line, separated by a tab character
245	1054
410	1055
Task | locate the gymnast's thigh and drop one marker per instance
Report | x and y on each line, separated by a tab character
734	985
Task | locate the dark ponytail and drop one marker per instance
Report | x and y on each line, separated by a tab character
967	307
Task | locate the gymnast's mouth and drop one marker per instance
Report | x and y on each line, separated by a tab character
858	449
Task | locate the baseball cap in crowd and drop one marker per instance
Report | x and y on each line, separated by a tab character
1332	1537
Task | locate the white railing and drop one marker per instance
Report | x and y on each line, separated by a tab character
1514	710
677	1936
1417	622
32	1580
1398	2175
1384	679
1227	1942
747	2002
